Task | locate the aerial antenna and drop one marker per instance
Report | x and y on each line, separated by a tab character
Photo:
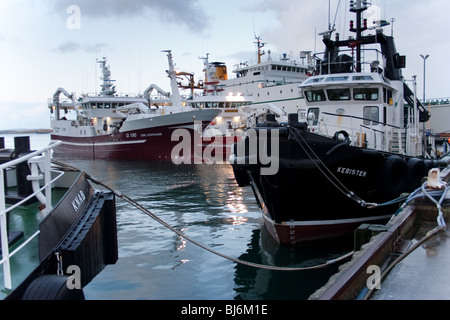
329	19
258	42
260	46
254	28
331	29
335	15
392	26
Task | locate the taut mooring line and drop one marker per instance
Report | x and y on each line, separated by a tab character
155	217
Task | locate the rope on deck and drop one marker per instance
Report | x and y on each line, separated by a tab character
155	217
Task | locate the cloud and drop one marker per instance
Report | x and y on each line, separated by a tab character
188	12
71	46
297	23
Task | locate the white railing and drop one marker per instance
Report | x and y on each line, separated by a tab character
371	58
360	134
435	101
44	163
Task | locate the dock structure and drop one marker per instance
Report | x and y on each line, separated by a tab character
405	260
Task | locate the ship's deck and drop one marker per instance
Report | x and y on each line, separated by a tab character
26	219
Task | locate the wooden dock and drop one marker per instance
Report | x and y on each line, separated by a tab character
410	265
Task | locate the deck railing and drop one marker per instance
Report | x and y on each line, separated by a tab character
42	159
372	58
356	135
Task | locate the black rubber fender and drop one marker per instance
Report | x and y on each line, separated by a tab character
393	177
417	170
51	287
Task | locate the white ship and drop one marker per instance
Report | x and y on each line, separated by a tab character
109	126
271	82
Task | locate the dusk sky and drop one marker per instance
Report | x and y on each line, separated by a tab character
49	44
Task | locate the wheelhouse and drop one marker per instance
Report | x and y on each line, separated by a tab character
365	107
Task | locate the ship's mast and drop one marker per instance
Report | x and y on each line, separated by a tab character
358	6
260	45
176	98
107	86
206	64
209	77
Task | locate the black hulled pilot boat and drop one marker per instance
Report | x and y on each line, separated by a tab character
357	146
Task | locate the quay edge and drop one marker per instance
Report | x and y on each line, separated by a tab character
350	283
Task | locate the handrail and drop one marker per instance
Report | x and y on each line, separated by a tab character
14	162
3	212
361	118
326	57
36	192
398	129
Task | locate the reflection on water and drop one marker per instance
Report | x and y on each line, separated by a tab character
255	284
206	204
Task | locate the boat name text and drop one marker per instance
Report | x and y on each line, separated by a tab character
131	135
78	200
143	135
352	172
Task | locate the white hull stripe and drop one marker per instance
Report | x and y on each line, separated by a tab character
327	222
97	144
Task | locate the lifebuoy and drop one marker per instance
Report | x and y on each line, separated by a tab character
344	134
51	287
393	177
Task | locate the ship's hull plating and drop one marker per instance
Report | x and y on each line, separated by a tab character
315	192
141	139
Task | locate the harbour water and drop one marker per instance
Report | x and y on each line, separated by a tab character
207	205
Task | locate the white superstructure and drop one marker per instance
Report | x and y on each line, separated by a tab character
271	81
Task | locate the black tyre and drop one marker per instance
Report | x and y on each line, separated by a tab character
417	169
51	287
393	177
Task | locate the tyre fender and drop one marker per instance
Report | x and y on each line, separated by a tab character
51	287
393	176
417	169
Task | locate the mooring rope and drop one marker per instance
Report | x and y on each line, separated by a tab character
328	174
162	222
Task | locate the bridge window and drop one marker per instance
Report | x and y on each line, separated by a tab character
365	94
313	80
371	115
338	94
315	96
342	78
362	78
